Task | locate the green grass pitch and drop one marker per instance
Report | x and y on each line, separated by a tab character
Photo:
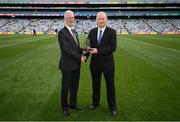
147	79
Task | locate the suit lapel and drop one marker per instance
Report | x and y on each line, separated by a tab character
69	35
96	33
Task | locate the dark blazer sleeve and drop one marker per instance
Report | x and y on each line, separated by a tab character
112	45
64	45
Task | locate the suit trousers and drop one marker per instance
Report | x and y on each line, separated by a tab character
70	83
110	88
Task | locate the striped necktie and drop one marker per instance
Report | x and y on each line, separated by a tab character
74	36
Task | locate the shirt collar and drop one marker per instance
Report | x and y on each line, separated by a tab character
69	28
102	29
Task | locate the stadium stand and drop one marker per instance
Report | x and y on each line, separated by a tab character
125	16
83	26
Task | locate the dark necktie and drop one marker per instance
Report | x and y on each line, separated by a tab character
74	36
100	36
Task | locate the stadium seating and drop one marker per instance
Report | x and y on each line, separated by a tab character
83	26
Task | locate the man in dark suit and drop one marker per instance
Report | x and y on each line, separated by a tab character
103	43
70	62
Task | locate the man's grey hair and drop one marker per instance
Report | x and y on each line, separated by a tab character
66	12
101	12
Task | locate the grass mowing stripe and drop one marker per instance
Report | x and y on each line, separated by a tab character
6	63
149	44
11	37
165	60
26	54
14	39
17	43
7	52
22	41
161	40
164	37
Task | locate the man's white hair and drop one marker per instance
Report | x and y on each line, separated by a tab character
101	12
66	12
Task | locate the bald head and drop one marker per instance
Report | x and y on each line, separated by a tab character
101	19
69	18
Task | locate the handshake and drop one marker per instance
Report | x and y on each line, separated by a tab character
87	50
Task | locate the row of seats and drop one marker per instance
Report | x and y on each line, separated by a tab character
84	26
89	13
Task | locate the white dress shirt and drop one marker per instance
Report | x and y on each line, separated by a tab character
99	31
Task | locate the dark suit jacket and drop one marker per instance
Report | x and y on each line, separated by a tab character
70	51
104	58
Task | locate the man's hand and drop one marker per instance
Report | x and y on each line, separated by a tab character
85	52
93	50
83	59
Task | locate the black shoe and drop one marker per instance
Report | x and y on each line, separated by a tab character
114	112
76	107
92	107
66	112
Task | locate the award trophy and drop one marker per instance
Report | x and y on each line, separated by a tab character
88	46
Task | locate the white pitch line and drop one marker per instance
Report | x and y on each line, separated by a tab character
145	43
